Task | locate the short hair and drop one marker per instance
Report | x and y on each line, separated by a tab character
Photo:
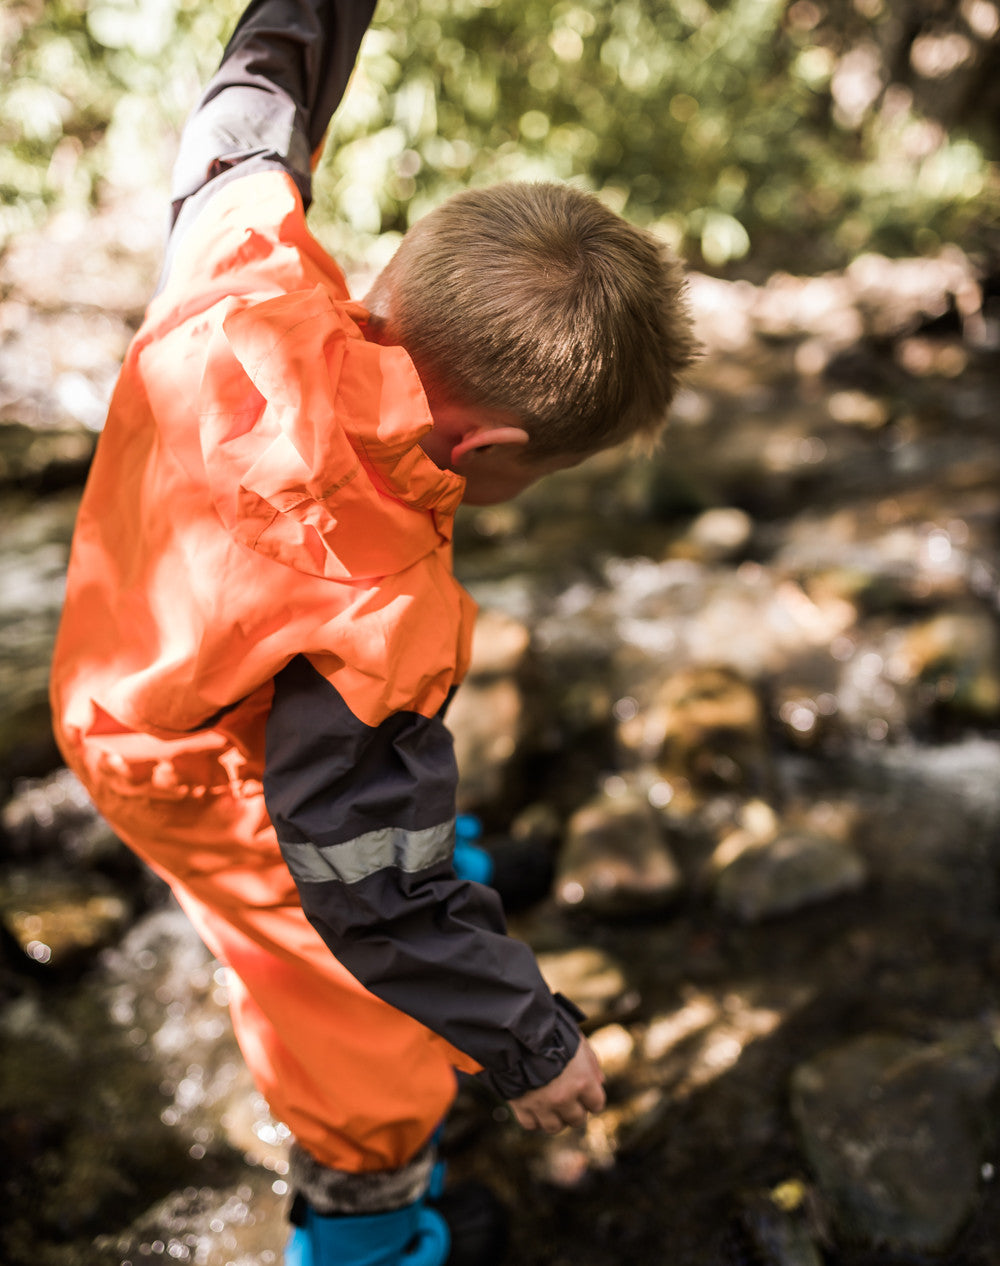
538	299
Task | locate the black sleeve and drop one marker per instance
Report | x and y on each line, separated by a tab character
283	73
365	818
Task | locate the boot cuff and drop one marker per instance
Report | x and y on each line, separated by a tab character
335	1191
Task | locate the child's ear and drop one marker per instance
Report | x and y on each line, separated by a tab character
488	437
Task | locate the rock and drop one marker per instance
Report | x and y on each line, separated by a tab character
614	1047
716	535
858	408
781	1226
760	878
807	714
489	716
893	1128
55	815
615	860
713	730
665	1033
906	678
486	719
590	978
32	572
954	657
57	920
44	460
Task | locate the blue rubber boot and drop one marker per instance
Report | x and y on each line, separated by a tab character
463	1226
521	871
470	860
412	1236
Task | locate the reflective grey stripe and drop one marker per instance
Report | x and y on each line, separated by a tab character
356	859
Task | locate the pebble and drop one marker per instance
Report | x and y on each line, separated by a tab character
614	1047
717	535
589	976
782	1226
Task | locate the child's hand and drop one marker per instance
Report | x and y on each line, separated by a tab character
567	1099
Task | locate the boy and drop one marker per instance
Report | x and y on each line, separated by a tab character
262	630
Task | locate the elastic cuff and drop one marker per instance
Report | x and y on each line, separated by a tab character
540	1067
335	1191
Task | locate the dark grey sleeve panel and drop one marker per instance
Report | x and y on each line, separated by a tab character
330	779
365	817
436	947
283	73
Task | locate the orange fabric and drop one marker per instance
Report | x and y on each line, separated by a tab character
260	448
361	1085
259	492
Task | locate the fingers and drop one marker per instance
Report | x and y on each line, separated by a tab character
568	1099
548	1120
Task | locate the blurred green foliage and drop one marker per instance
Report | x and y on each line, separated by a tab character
790	135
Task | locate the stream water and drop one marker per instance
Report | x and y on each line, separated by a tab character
763	660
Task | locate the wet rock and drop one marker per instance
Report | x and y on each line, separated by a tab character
55	815
615	860
697	1013
894	1128
44	459
705	1035
763	875
808	714
592	979
489	716
858	408
713	730
614	1047
682	619
782	1227
32	574
952	659
486	720
716	535
886	558
59	920
896	296
906	678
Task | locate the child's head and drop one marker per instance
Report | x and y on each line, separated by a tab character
537	301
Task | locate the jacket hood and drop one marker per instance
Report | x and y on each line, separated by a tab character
307	428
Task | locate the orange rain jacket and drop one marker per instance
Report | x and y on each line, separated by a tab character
260	591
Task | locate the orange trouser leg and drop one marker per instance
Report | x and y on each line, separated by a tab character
361	1085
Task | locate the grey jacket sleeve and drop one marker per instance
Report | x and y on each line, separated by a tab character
365	818
282	75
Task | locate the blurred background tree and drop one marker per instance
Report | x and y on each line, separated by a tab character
751	134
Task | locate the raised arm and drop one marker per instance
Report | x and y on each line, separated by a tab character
283	73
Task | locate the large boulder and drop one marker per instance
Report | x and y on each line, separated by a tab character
895	1129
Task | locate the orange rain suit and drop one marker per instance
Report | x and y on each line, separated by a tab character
260	635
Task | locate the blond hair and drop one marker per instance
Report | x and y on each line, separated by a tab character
536	298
